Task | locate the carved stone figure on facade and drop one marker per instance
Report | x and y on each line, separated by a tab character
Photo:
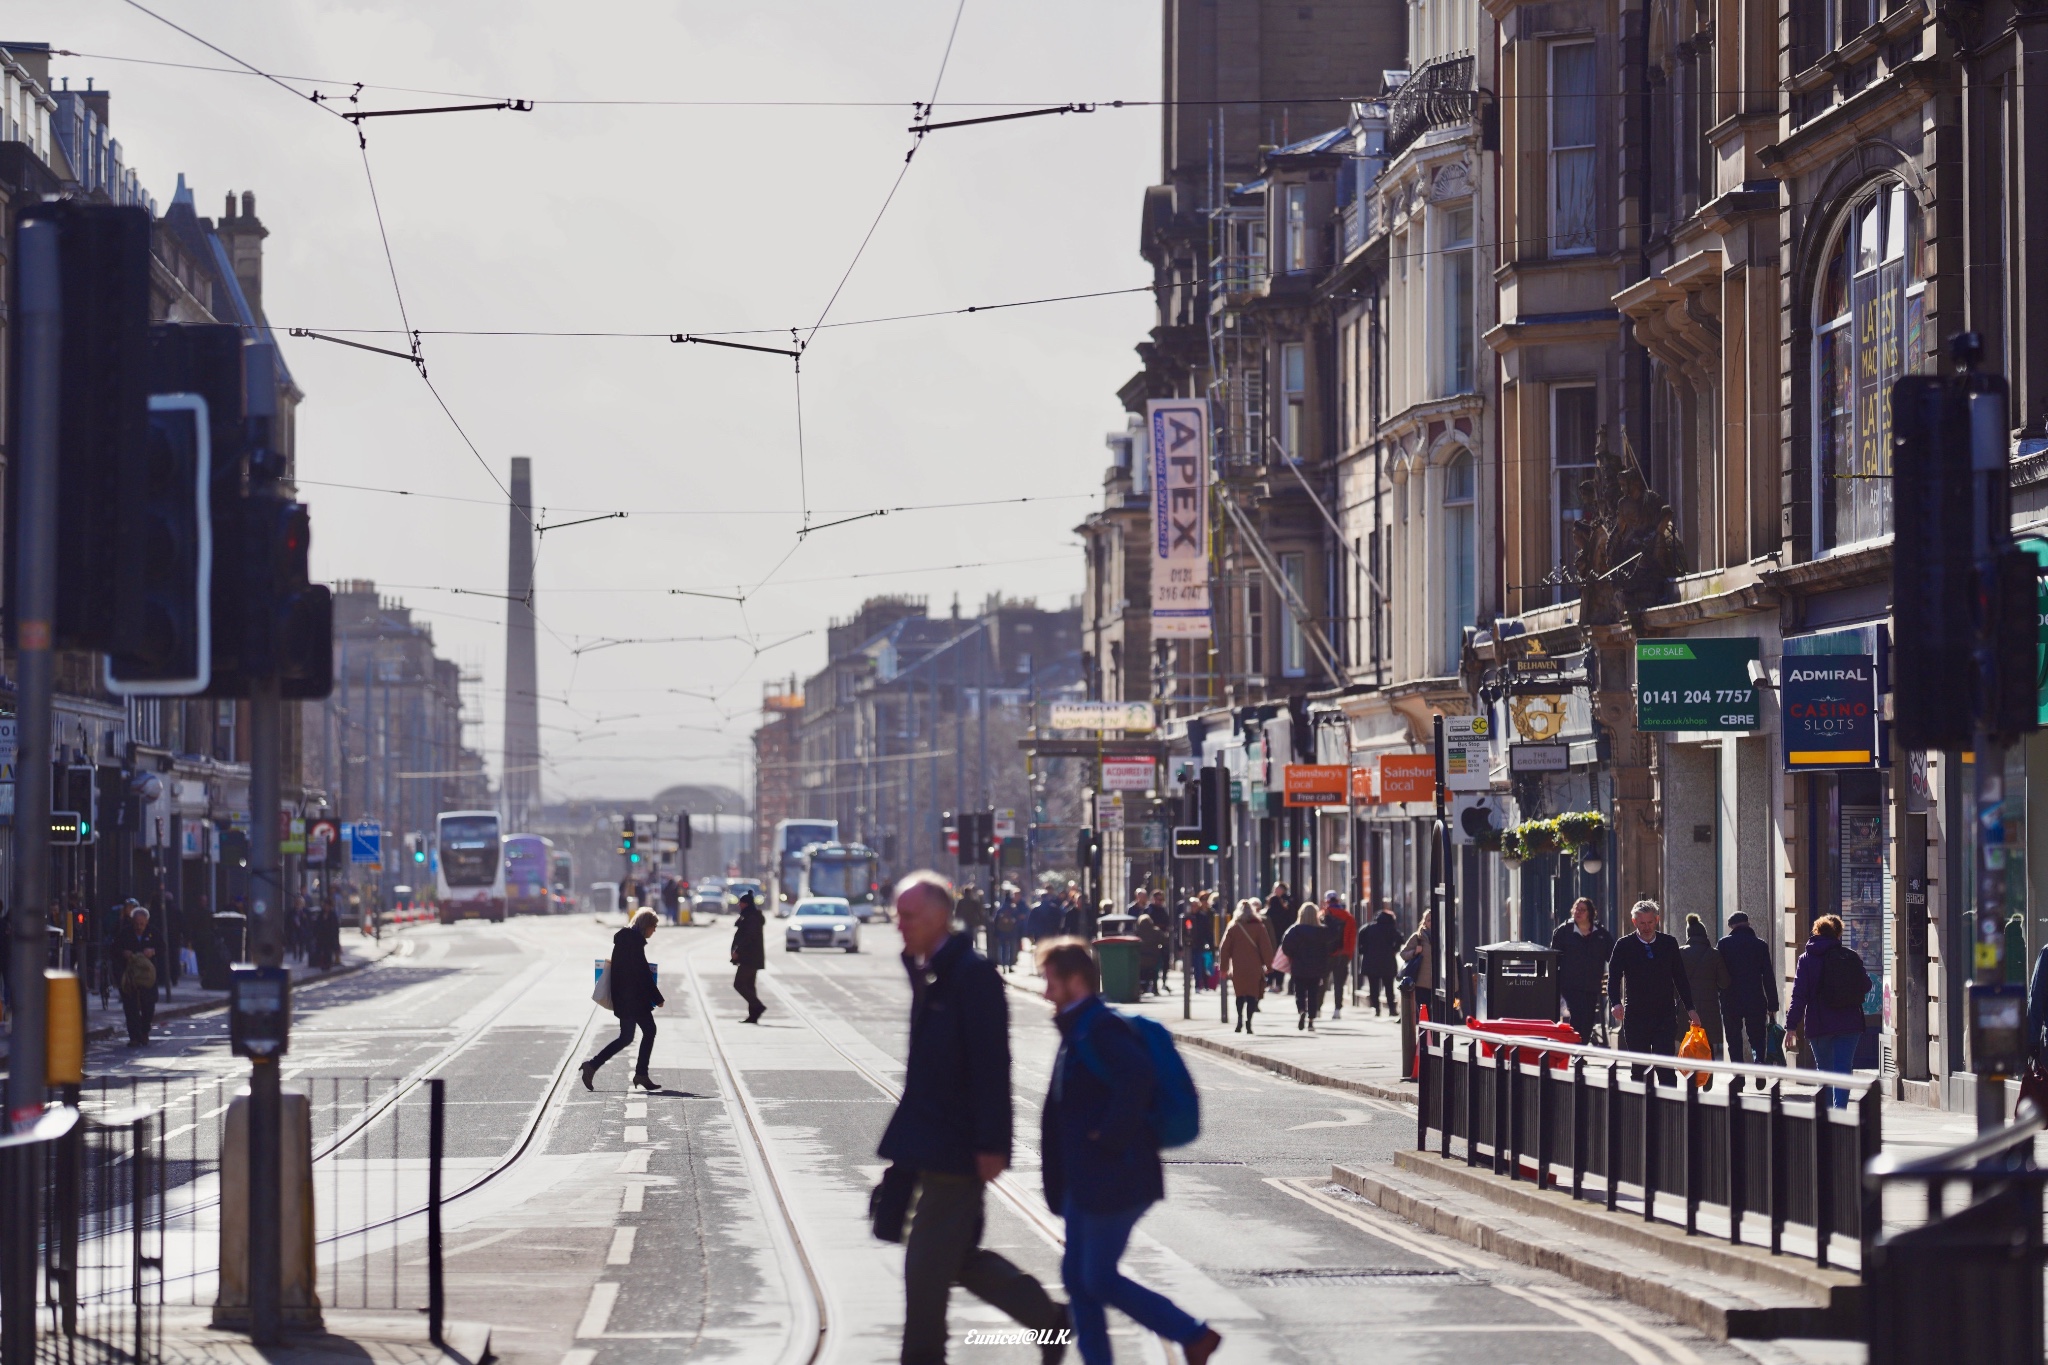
1626	550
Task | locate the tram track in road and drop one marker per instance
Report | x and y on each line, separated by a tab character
813	1320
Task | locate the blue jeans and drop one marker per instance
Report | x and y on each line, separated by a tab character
1835	1052
1095	1243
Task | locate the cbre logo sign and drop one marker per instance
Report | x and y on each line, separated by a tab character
1830	703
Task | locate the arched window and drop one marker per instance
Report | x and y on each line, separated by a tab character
1866	330
1461	546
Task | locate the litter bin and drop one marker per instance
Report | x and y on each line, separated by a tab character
1118	958
1518	981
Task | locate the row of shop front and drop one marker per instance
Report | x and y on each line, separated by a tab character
1734	744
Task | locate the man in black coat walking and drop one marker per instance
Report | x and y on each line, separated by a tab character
1583	948
1646	978
635	997
1751	993
749	956
1379	947
951	1133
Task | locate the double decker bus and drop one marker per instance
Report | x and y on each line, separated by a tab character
527	864
792	837
848	871
562	881
470	875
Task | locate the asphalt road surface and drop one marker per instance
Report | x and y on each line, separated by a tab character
723	1217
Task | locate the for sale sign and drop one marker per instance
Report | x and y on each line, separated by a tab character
1696	685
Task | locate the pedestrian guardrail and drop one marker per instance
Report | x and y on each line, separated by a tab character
127	1184
1746	1161
89	1295
1961	1285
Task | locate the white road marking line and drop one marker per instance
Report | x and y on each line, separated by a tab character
1306	1192
636	1133
634	1200
1620	1341
634	1162
637	1111
177	1132
598	1312
1352	1118
1671	1346
216	1113
473	1246
622	1246
583	1355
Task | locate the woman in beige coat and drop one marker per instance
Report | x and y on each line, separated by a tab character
1246	953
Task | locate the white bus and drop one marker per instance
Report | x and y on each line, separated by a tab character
791	838
471	872
844	871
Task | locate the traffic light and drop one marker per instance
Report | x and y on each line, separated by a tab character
275	619
163	550
1087	848
102	410
418	844
1965	598
628	835
683	831
977	833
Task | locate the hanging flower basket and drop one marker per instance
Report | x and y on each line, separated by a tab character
1580	830
1511	850
1539	838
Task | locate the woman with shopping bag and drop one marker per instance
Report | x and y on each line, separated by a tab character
1246	953
628	981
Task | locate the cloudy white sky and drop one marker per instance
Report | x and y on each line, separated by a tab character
639	217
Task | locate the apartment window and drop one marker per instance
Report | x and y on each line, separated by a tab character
1293	641
1461	546
1297	227
1574	424
1454	238
1293	399
1255	626
1863	329
1573	118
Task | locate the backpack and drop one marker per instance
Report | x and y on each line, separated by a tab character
1175	1114
1843	981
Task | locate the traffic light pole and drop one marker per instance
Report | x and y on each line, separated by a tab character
266	949
40	337
35	602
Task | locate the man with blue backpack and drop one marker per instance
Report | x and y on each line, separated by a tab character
1119	1093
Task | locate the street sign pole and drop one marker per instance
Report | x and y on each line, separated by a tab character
266	950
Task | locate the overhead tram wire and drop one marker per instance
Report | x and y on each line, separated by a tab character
569	102
383	235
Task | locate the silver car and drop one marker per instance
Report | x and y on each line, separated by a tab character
822	922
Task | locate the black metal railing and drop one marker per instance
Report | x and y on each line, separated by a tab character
1961	1285
378	1147
90	1292
1438	95
1745	1161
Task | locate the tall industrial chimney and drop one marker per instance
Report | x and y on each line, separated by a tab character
522	680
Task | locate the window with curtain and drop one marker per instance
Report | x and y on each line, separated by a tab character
1461	546
1293	399
1454	238
1293	643
1573	119
1574	421
1866	322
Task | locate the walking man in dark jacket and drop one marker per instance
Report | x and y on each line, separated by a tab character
1101	1160
1752	992
749	956
1646	978
951	1133
1379	947
634	999
1583	947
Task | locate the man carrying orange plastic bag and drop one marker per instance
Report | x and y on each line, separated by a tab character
1646	980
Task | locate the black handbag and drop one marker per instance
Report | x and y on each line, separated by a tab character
889	1203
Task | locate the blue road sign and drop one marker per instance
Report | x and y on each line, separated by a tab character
365	841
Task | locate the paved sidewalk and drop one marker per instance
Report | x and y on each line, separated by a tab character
1361	1052
348	1338
103	1021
